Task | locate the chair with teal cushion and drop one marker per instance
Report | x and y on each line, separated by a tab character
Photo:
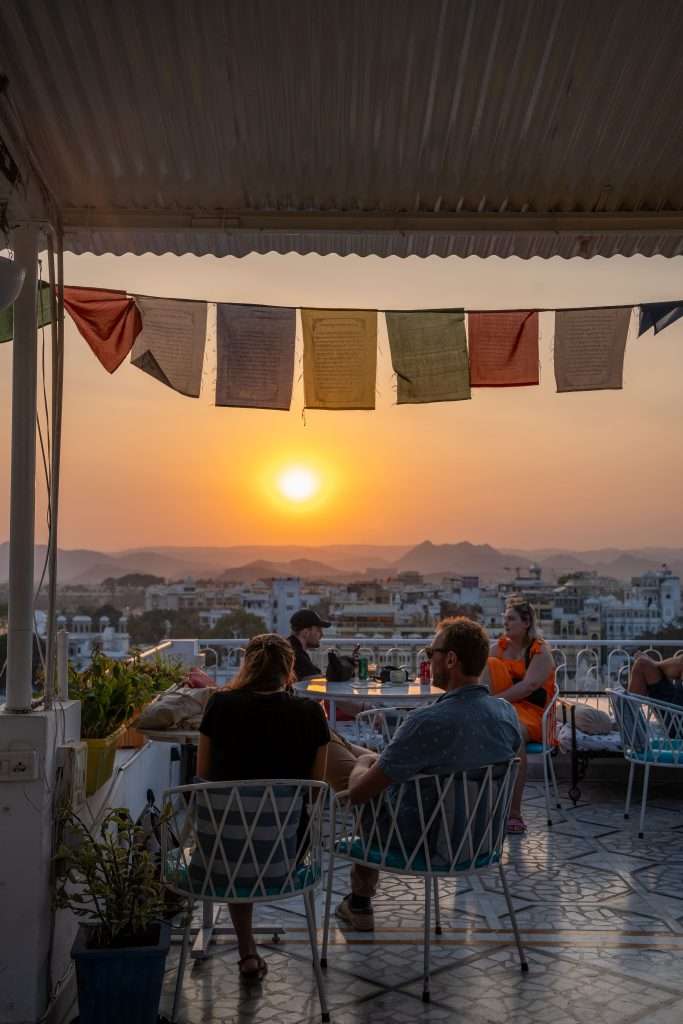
432	827
255	841
651	734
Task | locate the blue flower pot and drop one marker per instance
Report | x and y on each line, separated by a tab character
117	985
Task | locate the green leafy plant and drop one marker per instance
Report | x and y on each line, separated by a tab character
111	692
109	879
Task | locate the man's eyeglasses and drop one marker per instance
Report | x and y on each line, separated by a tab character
431	651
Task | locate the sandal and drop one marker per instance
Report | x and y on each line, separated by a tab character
257	973
516	826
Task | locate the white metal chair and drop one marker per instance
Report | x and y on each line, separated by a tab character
461	824
376	728
254	841
651	735
547	748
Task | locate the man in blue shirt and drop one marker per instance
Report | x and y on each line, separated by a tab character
463	730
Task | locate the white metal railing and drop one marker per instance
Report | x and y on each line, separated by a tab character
581	664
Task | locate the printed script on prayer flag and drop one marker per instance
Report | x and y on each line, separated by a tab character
255	348
340	358
589	348
170	346
503	349
429	356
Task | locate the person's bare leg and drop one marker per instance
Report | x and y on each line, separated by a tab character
645	673
242	915
517	793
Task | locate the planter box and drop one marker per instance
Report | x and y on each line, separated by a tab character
101	754
131	738
120	985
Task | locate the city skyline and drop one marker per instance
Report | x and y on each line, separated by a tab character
519	468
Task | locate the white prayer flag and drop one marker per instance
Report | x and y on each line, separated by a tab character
589	348
170	346
255	364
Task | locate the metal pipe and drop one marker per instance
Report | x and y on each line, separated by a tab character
57	313
23	475
62	665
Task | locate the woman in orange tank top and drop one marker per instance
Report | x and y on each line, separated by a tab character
521	670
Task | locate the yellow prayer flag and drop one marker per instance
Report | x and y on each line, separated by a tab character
340	358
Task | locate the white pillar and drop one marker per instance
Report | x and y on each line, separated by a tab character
23	493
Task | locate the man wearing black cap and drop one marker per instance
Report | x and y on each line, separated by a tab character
307	630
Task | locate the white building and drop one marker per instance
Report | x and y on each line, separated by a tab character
286	598
113	641
650	604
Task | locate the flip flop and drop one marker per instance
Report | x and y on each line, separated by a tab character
257	973
516	826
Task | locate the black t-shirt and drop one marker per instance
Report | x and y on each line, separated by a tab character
263	736
303	665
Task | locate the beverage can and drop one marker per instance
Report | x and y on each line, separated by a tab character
362	668
425	672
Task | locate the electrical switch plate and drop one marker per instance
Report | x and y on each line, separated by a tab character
19	765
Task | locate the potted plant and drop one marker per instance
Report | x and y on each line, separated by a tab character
112	883
148	679
107	702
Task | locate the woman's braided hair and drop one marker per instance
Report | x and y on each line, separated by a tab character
268	664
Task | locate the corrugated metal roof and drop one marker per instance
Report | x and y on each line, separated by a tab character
147	114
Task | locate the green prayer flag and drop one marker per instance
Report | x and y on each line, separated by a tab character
43	310
429	356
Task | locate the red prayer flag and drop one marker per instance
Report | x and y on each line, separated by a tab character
109	321
503	349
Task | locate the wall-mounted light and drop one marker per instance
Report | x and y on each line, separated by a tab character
11	280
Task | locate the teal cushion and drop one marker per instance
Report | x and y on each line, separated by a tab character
395	859
674	757
178	875
660	741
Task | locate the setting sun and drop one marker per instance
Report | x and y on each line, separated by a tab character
298	483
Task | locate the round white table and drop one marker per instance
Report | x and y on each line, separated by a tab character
371	693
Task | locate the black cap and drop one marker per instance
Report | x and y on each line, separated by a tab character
307	617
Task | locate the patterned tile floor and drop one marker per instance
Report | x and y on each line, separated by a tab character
601	913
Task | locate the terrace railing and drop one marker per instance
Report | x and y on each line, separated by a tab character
582	665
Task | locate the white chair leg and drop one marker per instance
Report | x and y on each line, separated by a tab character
643	805
437	908
427	941
518	939
553	777
629	789
309	903
328	904
184	951
546	787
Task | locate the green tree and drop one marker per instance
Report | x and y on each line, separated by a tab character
132	579
238	624
112	613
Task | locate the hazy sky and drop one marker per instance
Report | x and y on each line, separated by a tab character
514	467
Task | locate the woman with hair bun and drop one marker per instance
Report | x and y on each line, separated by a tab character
521	670
255	728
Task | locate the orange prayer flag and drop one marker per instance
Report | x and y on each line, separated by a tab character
109	321
503	349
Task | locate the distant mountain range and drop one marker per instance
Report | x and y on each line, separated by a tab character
338	561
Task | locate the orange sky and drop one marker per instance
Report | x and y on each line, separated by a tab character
514	467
